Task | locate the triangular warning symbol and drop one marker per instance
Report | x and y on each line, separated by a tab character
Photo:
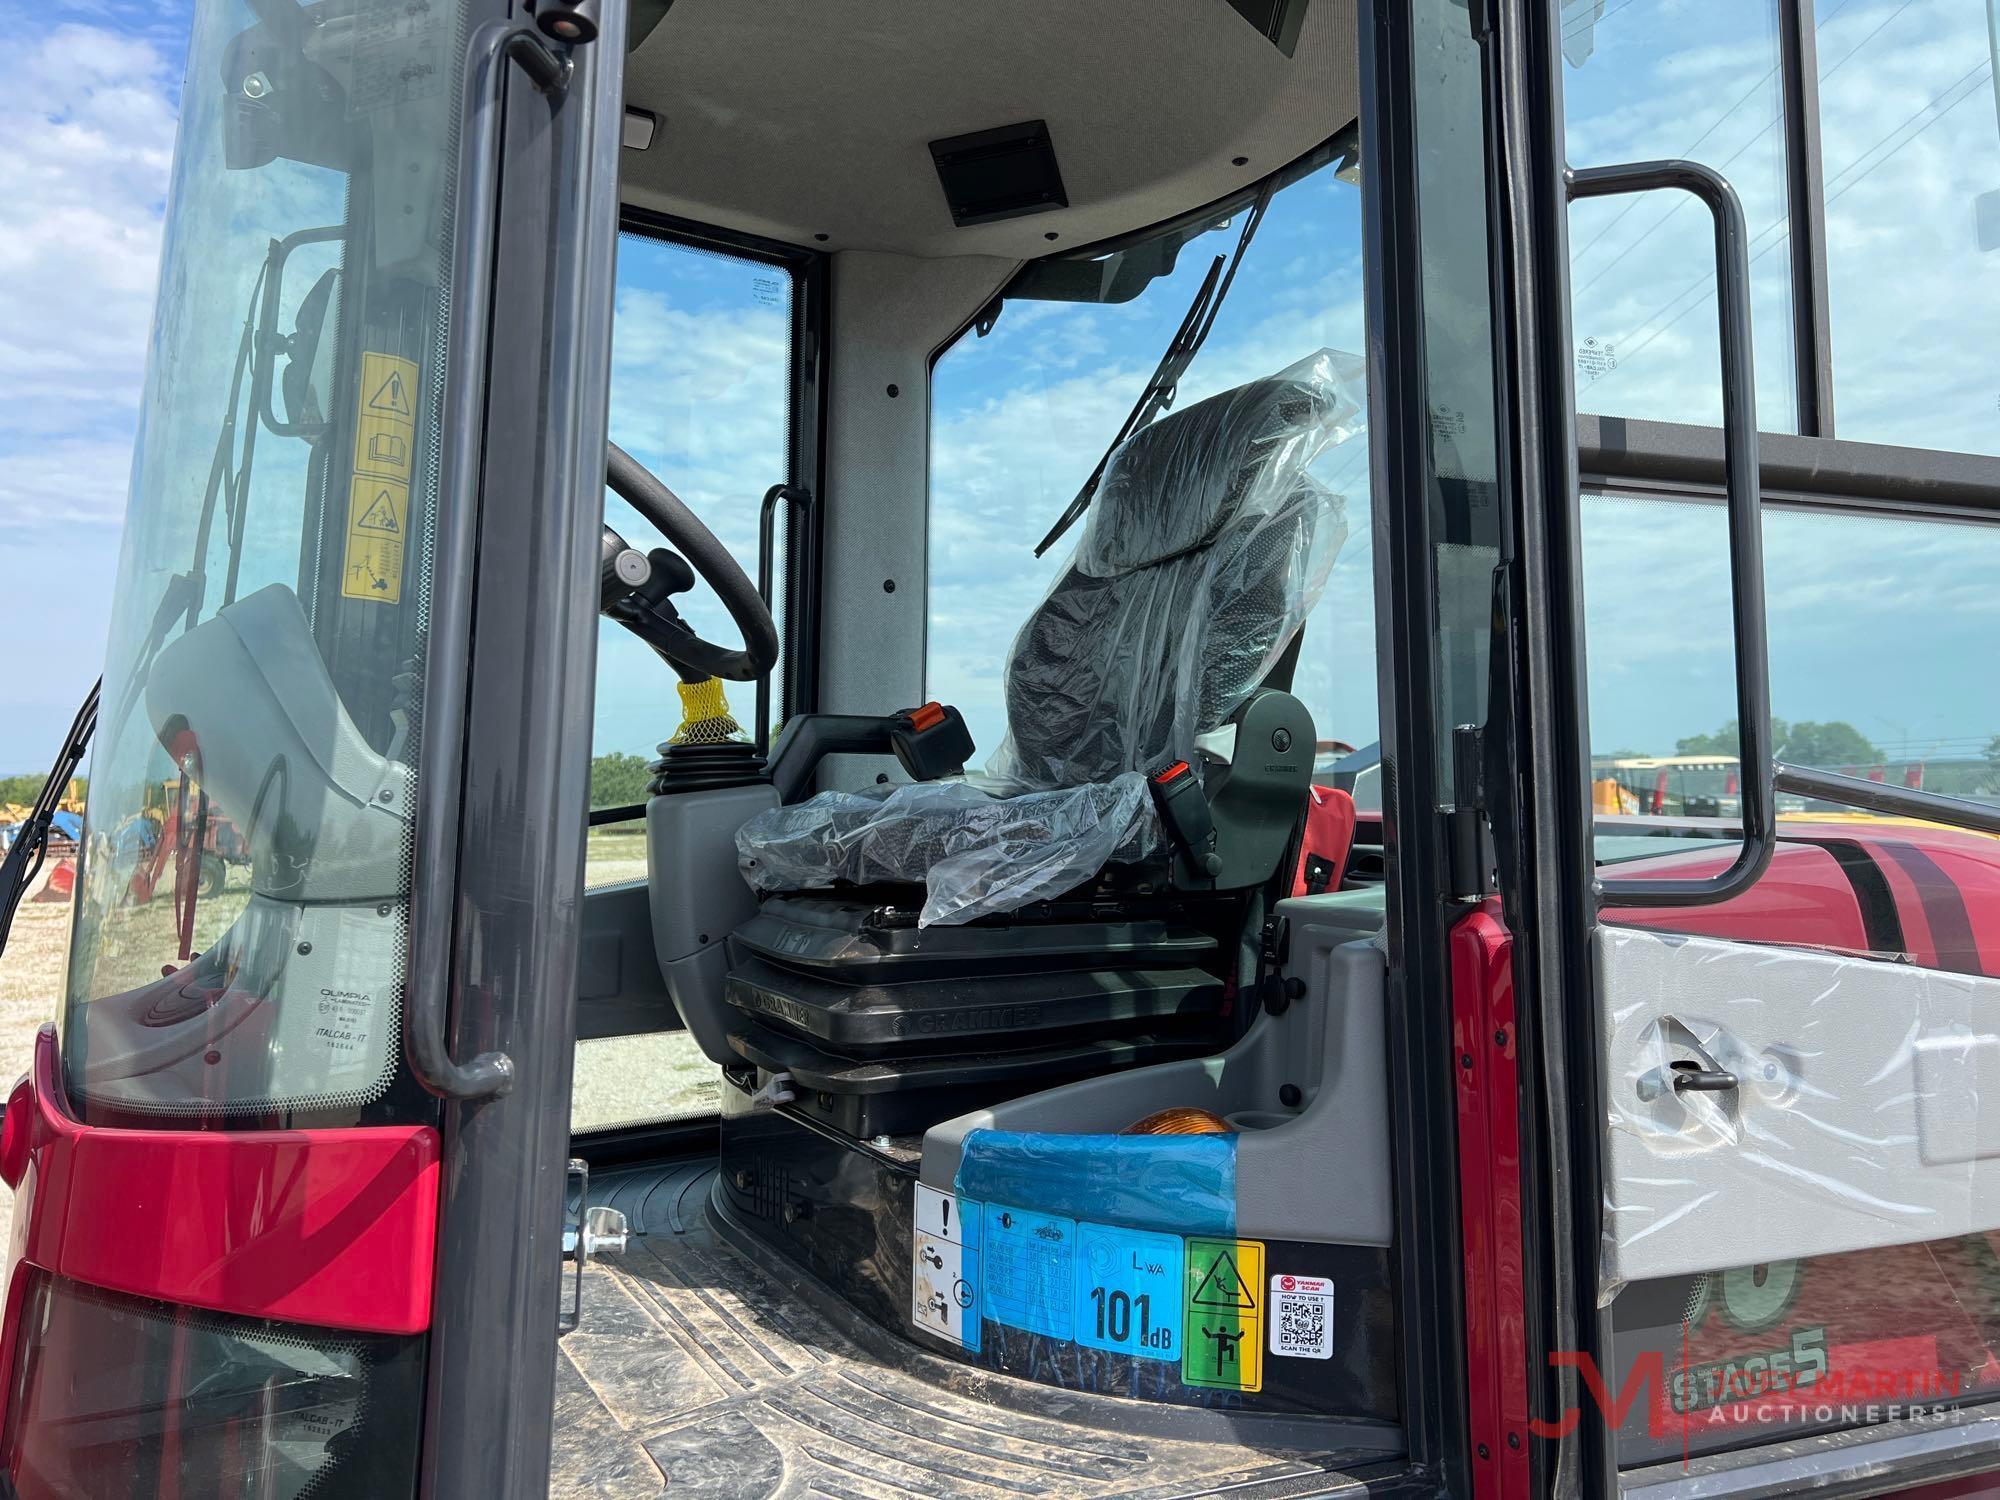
1223	1286
391	397
380	516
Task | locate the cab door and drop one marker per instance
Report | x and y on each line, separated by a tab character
1753	479
290	1170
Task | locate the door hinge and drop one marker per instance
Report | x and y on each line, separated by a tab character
1468	839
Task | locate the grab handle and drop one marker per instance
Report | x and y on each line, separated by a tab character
1746	533
462	423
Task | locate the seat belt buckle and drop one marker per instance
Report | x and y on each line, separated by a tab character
931	741
1319	874
1184	813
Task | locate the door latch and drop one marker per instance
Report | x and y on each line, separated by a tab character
594	1231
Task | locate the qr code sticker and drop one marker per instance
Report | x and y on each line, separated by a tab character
1302	1317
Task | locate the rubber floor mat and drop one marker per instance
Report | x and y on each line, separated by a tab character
698	1373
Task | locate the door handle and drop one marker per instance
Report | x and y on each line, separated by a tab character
1689	1077
1746	531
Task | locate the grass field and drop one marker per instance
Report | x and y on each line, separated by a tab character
619	1080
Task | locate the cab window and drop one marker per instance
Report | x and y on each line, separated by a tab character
1021	413
702	357
701	380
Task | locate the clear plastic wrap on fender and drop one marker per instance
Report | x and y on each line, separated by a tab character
1207	545
1769	1104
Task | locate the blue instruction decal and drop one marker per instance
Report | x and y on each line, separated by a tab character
1028	1270
1129	1291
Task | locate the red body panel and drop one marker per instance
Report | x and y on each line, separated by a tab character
334	1228
1804	897
1489	1173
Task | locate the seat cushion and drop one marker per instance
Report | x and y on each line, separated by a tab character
973	853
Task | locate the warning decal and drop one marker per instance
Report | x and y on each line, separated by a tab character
378	497
944	1267
1223	1346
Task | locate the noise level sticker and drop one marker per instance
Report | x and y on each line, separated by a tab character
1224	1346
378	496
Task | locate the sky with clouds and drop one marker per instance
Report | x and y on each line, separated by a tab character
1883	622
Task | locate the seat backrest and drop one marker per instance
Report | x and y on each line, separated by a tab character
1206	546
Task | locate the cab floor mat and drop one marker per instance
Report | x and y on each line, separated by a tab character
697	1373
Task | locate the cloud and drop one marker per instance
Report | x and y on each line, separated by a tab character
88	122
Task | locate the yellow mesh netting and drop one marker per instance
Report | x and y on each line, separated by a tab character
705	717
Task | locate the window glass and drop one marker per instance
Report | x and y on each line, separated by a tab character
239	935
1910	136
1876	623
701	380
1020	417
701	383
124	1396
1697	80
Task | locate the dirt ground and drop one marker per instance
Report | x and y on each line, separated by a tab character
30	982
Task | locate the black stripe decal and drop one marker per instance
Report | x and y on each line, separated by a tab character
1879	917
1944	908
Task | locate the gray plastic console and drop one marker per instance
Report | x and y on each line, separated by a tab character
698	900
1316	1170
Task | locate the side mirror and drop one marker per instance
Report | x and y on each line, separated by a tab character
307	383
308	370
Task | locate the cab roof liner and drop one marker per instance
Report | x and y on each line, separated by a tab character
814	124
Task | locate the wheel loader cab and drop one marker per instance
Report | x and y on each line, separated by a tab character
1005	911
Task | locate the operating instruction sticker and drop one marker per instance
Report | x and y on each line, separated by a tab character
944	1267
1225	1288
1128	1291
1029	1267
378	493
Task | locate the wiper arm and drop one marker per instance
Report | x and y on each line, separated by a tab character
24	859
1158	396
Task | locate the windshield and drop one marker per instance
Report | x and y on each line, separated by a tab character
1024	405
239	933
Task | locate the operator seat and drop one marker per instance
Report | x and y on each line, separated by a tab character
926	948
1207	545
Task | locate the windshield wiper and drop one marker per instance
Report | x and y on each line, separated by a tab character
24	860
1158	396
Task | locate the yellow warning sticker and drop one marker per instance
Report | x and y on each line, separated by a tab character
378	498
1223	1346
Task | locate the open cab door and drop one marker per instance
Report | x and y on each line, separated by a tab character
288	1005
1755	1076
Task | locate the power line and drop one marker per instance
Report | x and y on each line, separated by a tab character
1715	124
1681	201
1700	286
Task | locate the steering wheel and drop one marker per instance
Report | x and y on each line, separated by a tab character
636	590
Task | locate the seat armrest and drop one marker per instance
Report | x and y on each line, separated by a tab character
1258	798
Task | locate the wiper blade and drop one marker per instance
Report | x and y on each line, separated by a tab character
1158	396
24	860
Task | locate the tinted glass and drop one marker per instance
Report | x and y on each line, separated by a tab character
240	925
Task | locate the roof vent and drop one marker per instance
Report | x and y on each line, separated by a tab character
999	174
1278	20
